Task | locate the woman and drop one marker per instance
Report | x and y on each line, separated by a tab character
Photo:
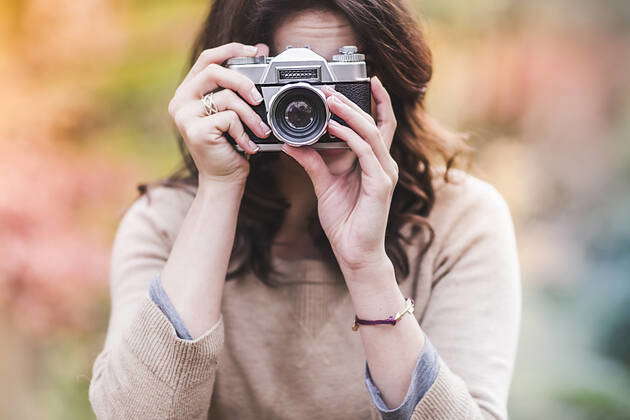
321	238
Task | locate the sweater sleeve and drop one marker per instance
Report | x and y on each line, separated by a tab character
473	314
160	298
145	370
422	377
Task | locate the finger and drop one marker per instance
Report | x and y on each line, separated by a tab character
366	130
263	49
385	116
212	128
372	105
214	76
227	99
313	164
219	54
329	91
370	165
224	100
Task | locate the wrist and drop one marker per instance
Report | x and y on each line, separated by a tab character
234	180
374	266
220	189
373	289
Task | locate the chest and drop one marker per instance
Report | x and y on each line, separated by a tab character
290	353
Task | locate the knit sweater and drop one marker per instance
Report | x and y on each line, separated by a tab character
289	352
422	377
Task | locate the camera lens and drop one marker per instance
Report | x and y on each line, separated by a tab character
298	114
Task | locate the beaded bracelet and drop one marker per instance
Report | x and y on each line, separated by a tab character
408	308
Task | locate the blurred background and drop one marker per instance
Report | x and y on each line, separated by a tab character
542	86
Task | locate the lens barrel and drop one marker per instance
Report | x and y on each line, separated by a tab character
298	114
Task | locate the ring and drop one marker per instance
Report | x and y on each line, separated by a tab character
208	104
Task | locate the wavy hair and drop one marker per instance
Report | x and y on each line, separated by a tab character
397	52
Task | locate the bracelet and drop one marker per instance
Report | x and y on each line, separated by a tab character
408	308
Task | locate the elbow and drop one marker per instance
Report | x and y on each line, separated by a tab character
490	411
105	399
109	402
101	404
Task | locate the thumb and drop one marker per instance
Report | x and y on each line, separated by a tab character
313	164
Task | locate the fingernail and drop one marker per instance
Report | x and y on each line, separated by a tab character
250	49
265	129
256	97
254	146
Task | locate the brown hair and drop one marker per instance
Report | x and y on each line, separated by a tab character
398	54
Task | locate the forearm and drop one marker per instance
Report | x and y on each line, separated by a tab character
194	274
391	351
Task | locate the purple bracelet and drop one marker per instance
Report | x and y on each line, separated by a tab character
392	319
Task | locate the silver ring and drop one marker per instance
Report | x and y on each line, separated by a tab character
208	104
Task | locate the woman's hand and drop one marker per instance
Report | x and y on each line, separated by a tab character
215	158
353	207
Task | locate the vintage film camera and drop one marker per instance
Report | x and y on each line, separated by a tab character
294	106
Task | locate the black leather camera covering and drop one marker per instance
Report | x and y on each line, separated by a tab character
357	92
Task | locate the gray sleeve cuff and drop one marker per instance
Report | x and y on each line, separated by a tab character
160	298
422	377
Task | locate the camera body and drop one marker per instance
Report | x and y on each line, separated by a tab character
294	105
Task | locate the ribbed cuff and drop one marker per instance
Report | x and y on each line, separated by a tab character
448	398
178	363
423	376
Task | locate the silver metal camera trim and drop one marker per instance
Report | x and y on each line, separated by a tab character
276	147
266	72
330	72
318	70
273	104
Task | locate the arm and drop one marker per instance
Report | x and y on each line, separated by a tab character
161	299
145	369
376	295
201	255
353	209
472	318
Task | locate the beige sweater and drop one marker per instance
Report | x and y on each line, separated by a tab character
290	353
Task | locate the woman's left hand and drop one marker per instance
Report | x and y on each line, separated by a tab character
353	207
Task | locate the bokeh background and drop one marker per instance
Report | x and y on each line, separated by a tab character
542	86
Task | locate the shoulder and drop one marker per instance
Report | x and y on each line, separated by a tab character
158	212
470	218
462	198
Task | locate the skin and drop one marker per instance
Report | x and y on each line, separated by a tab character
352	200
323	32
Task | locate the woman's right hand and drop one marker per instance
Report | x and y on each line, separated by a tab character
215	158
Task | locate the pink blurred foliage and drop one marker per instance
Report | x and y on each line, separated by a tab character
55	253
546	89
556	93
60	197
547	94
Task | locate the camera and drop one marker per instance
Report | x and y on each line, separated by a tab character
294	105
